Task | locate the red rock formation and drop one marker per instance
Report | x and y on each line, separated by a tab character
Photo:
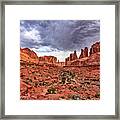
81	55
65	61
28	55
50	59
75	55
79	62
94	59
31	53
84	53
71	58
95	48
84	59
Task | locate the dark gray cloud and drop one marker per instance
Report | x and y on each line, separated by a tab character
63	35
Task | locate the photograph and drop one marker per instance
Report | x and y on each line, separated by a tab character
59	55
59	59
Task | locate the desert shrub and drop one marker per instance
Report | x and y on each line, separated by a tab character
51	91
28	80
66	77
45	83
74	97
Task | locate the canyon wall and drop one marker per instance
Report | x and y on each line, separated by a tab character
86	57
93	58
28	55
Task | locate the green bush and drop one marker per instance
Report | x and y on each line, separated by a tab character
66	77
75	97
51	91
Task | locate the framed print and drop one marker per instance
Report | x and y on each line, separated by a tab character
60	59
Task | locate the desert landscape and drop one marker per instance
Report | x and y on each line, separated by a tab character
46	78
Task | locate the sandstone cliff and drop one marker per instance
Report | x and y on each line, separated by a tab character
84	59
28	55
49	59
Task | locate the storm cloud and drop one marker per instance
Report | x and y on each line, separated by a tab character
58	35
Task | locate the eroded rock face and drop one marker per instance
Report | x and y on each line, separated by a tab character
95	48
75	55
84	59
81	55
50	59
71	57
28	55
67	60
94	59
84	53
29	52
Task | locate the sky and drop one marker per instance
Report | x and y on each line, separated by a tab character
58	37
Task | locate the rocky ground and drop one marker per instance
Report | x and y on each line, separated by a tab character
52	82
